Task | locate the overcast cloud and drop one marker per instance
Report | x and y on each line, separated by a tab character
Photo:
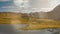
32	6
4	0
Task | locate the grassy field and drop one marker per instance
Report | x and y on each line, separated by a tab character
42	24
33	23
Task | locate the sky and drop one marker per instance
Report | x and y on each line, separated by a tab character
29	5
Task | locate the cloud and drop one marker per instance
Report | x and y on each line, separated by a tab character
44	3
35	4
11	8
46	9
4	0
39	3
22	3
8	6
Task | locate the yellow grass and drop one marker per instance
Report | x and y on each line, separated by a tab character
45	23
33	23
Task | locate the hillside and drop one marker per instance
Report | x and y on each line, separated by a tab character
55	13
13	18
8	18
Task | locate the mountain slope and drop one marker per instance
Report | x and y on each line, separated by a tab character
55	13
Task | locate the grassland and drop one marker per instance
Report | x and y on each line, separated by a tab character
33	23
43	24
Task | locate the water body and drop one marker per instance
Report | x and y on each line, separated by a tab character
12	29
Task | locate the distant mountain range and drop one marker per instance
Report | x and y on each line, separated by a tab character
54	14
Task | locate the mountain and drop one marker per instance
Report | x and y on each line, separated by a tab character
55	13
